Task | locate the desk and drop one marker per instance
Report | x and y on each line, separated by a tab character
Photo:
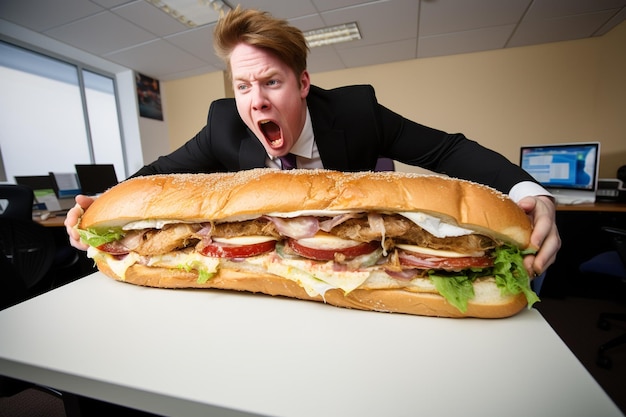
597	207
55	220
221	353
52	221
580	227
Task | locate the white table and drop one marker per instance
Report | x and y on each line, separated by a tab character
196	352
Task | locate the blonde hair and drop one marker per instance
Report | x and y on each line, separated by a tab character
262	30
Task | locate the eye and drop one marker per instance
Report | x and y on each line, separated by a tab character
242	87
272	83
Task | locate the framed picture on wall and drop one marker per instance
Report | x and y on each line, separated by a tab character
148	97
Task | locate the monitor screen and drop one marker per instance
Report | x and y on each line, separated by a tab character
65	184
569	169
35	182
43	189
96	179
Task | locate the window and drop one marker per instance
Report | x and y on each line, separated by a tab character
55	114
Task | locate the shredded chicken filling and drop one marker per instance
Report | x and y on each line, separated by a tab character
394	229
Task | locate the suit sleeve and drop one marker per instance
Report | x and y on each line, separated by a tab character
205	152
451	154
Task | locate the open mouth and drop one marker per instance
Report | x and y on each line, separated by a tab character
272	133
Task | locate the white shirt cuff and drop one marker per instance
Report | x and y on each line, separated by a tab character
527	189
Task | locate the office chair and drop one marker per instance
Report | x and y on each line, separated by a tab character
611	263
29	249
29	256
16	201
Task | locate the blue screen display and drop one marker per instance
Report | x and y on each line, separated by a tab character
572	166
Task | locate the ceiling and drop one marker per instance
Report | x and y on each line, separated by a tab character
137	35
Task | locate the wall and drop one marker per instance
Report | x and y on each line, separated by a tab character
552	93
186	104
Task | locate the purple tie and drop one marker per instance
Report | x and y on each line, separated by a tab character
288	161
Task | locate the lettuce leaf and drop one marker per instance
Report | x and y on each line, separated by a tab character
96	238
511	276
509	272
203	274
457	290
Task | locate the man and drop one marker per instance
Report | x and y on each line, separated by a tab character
276	112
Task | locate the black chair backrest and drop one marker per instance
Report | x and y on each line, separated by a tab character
618	238
29	247
16	201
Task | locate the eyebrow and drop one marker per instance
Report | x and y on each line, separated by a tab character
272	73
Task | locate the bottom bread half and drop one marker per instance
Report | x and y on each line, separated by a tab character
382	300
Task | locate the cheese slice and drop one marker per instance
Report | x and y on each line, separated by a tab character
437	252
118	266
315	277
325	241
243	240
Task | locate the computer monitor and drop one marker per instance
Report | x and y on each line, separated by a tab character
43	189
35	182
65	184
568	170
95	179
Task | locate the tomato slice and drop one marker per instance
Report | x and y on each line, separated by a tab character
329	254
422	261
222	250
114	248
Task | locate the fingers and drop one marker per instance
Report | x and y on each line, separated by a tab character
72	218
545	235
548	252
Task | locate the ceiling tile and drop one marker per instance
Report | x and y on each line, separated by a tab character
438	17
107	33
156	59
377	22
149	18
464	42
309	22
198	42
113	3
379	54
285	9
40	15
324	59
558	29
125	28
617	18
326	5
546	9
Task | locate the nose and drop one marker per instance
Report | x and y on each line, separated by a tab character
259	99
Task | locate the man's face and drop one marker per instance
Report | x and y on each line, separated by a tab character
270	99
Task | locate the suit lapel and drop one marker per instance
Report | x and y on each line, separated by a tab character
333	151
330	142
251	153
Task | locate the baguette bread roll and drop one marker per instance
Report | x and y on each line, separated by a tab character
246	194
226	198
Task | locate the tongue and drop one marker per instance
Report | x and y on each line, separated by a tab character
272	131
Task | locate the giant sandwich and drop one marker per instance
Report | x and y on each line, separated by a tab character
390	242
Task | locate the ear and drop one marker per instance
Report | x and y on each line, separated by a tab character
305	84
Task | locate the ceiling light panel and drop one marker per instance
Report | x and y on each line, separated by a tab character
193	13
334	34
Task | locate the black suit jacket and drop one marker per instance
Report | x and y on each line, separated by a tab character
351	131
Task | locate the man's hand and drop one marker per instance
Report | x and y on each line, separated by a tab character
71	220
545	236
